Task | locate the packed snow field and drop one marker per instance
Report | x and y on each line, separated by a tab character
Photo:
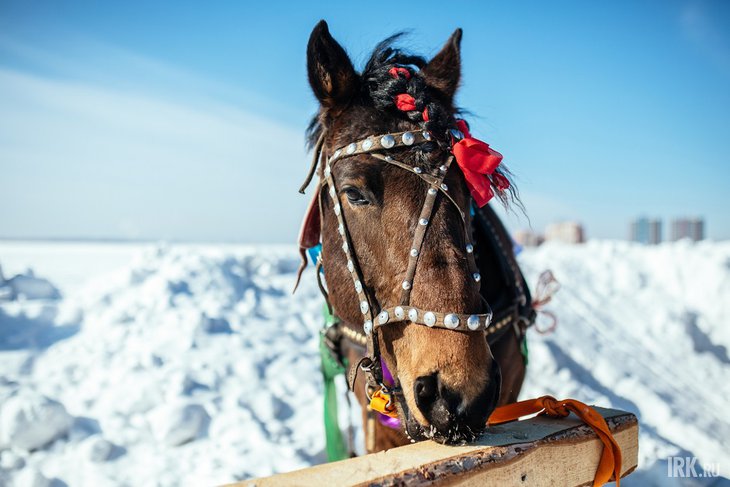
195	365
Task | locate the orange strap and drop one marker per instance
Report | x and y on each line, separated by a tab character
610	463
608	466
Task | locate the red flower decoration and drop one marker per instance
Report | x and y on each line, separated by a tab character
478	161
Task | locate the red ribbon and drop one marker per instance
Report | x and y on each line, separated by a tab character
397	71
405	102
478	162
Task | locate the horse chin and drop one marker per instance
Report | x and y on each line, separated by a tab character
455	436
418	432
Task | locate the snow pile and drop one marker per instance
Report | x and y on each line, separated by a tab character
185	367
196	366
642	329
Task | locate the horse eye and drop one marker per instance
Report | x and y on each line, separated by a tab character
354	196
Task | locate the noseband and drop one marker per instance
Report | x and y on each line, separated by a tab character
377	146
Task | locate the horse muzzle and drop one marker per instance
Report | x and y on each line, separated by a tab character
450	419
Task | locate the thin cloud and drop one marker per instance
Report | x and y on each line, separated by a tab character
81	158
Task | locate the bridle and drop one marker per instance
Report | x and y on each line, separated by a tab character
377	146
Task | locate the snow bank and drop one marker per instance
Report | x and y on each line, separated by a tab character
196	365
642	329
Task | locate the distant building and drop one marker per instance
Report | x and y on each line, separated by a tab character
527	238
646	231
691	228
568	232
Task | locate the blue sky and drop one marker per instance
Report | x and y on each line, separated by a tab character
185	122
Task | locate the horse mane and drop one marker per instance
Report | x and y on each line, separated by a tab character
379	87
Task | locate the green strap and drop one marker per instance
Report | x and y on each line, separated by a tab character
524	349
335	445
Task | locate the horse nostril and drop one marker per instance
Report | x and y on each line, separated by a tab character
426	389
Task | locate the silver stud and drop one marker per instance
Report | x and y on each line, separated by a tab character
413	314
351	148
423	221
341	229
443	168
350	266
477	277
345	247
337	209
414	252
364	307
406	285
488	320
388	158
473	322
383	317
358	287
469	248
337	153
426	135
367	144
367	327
399	313
417	170
408	138
444	187
387	141
432	191
451	321
429	318
457	134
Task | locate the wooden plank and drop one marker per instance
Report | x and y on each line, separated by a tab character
540	451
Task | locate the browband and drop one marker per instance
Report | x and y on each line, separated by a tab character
387	141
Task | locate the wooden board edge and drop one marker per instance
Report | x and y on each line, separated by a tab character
479	462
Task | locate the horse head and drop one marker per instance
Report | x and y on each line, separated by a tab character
395	228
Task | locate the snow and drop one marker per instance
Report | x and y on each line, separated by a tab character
97	449
195	365
26	286
176	424
29	421
31	477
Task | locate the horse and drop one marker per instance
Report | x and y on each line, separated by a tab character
401	218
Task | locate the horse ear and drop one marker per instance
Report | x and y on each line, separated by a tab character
443	72
331	75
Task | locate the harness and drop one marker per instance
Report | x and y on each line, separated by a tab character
374	317
515	311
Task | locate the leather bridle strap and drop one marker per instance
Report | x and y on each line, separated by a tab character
452	321
419	236
370	362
